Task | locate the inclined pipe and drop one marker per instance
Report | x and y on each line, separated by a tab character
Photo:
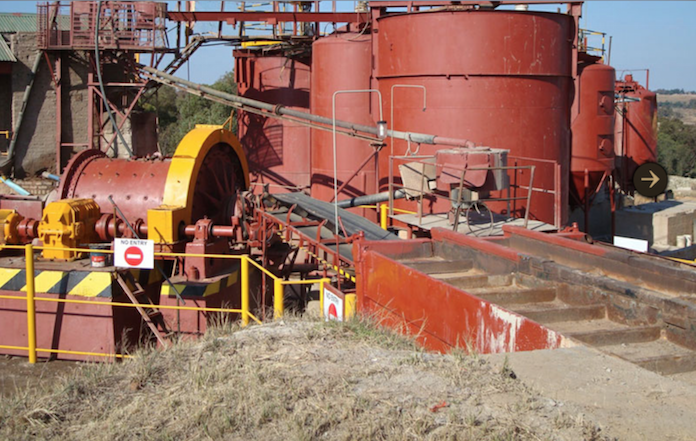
420	138
19	190
370	199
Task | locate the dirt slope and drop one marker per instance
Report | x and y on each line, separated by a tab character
293	380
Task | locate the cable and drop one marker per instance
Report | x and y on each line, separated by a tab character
101	84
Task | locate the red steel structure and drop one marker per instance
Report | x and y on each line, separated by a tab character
124	29
123	26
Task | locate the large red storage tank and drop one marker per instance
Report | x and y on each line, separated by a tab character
636	129
278	151
499	78
342	61
592	147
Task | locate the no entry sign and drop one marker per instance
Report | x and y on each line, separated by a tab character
333	303
134	253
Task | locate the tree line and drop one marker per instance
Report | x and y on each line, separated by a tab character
178	112
672	92
676	146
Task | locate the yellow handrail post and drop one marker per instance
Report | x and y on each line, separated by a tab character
383	218
245	291
31	304
277	298
321	298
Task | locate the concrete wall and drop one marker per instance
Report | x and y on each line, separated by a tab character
659	223
36	146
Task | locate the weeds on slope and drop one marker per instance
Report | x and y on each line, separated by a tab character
296	379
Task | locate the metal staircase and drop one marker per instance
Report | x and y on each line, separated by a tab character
151	314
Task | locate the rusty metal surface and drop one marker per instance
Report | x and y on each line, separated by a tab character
232	18
592	128
487	81
71	327
134	185
342	61
278	151
441	315
122	25
29	207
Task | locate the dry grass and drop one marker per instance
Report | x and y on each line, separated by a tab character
295	380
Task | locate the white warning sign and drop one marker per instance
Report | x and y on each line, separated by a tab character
333	305
134	253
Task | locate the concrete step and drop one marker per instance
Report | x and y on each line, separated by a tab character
472	282
661	356
669	364
553	313
514	295
606	337
439	266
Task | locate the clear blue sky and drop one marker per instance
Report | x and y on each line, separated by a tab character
658	35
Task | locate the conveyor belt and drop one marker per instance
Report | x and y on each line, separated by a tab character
320	210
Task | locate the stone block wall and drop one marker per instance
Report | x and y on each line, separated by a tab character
36	145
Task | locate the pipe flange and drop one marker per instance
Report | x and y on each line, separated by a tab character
28	229
102	227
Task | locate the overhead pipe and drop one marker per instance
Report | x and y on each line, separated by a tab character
370	199
280	110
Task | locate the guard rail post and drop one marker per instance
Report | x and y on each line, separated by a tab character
245	290
321	298
383	218
277	298
31	304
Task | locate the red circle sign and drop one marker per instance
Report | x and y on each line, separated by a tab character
133	256
332	311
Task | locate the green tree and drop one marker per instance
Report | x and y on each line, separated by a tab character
178	112
676	147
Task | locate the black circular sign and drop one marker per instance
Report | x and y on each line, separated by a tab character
650	179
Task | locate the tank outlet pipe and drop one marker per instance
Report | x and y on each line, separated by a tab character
19	190
273	109
370	199
50	176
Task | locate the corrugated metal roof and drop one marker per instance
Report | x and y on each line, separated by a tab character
5	52
11	22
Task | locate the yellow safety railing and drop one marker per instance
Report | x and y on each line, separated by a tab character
246	315
384	215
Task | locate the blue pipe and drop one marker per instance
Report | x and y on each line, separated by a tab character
19	190
51	176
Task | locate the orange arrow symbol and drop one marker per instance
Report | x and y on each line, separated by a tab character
653	178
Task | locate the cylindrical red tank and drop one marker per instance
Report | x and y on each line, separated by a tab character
499	78
592	147
636	129
278	152
342	61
